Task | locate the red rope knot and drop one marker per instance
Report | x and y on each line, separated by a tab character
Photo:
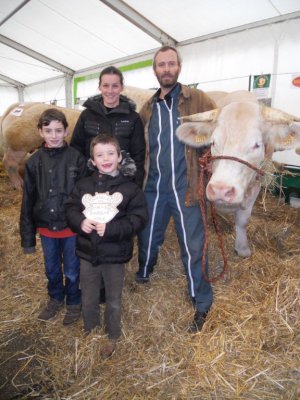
205	159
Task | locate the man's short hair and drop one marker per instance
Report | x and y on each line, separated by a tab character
166	48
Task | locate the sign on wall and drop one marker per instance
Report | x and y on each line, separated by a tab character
296	80
261	85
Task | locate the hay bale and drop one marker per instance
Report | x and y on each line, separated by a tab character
248	349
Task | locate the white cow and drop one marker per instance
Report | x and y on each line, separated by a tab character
239	128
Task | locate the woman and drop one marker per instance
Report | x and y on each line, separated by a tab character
110	112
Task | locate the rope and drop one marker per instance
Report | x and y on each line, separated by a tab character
205	163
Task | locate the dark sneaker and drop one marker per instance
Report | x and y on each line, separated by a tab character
141	279
109	348
51	310
198	322
72	314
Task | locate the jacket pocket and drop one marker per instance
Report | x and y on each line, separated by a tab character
92	128
123	128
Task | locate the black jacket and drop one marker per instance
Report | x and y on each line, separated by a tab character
116	246
50	176
121	121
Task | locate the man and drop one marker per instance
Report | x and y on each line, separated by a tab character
171	182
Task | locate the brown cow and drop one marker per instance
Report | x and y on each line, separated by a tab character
20	135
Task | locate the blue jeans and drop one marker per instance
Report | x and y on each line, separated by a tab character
60	259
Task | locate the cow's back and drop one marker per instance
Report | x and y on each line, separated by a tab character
216	96
139	96
4	122
239	96
19	125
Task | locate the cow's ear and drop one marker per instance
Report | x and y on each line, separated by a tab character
280	129
195	134
283	136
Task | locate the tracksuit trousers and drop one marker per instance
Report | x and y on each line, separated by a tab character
190	233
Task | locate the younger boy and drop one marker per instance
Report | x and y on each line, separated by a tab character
104	247
50	176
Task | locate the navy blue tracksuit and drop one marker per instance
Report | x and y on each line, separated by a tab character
165	195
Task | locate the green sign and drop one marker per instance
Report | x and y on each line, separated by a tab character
261	81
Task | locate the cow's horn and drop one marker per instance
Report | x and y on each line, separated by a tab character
206	116
277	116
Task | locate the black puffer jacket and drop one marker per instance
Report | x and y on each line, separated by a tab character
50	176
121	121
116	246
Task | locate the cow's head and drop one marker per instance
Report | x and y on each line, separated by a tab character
244	130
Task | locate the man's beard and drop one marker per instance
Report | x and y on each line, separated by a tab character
168	84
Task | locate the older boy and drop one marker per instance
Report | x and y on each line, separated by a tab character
50	176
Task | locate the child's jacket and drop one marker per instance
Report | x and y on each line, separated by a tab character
116	246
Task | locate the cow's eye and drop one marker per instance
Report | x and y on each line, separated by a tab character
256	146
212	143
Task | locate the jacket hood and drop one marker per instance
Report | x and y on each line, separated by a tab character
111	180
127	166
95	103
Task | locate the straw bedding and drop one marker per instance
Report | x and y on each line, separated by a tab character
248	349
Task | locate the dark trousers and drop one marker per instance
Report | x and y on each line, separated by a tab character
90	284
62	268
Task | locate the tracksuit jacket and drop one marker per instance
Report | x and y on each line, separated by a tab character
190	101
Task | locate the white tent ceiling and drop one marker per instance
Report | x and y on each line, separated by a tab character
43	39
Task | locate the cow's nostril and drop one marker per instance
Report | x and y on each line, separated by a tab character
230	193
220	192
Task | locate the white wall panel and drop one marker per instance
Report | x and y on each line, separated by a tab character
8	96
47	92
224	63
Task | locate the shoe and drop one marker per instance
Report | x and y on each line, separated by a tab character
109	348
72	314
141	279
198	322
51	310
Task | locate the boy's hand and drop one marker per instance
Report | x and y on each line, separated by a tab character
87	225
100	228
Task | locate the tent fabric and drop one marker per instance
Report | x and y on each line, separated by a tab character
81	34
43	43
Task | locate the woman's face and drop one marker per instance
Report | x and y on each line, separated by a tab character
110	88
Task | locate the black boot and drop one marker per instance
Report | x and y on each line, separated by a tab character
198	322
